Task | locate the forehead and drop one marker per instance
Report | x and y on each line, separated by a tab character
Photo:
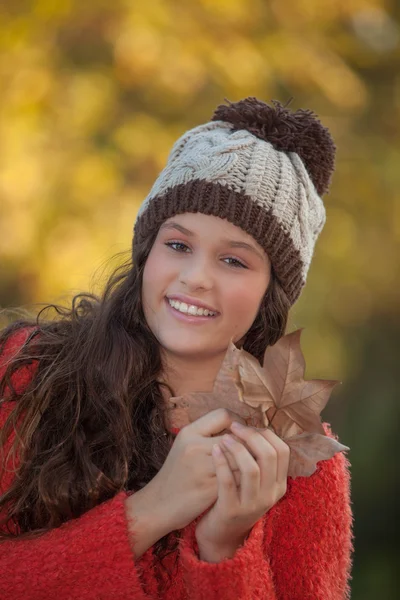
210	225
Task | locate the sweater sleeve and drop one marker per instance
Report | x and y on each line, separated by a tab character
247	575
300	550
89	557
311	536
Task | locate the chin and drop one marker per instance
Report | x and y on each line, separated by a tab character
188	347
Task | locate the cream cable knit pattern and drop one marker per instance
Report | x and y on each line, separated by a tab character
260	184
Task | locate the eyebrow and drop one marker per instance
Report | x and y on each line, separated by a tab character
231	243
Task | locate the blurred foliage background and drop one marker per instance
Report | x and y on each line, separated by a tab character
94	93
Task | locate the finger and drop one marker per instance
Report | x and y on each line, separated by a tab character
230	457
249	470
282	452
227	488
232	465
235	472
272	451
265	455
214	422
237	476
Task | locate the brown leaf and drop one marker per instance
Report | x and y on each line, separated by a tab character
187	408
274	395
307	449
253	386
296	403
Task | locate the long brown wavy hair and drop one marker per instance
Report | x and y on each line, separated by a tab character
94	416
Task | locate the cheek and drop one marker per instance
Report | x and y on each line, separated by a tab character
243	301
157	276
151	278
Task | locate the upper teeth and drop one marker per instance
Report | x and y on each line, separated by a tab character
191	309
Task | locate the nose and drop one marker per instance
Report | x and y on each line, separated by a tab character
196	274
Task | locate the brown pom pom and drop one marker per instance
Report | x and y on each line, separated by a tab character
299	131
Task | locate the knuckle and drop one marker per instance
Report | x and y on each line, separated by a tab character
267	432
225	414
284	449
230	484
228	415
253	471
272	437
222	412
250	434
270	452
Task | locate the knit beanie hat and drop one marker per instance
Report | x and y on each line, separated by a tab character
263	168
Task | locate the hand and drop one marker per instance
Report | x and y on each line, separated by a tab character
186	485
263	482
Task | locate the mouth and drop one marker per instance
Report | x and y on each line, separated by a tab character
187	316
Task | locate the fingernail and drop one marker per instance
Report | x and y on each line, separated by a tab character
228	439
217	450
238	426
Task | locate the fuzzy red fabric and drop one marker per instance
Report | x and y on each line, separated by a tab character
300	550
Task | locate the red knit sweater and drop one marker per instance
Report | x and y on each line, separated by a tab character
300	550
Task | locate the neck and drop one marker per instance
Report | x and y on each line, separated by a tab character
185	375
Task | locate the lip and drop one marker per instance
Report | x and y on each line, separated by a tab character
185	318
189	300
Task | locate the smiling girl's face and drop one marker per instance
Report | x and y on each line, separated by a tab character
204	261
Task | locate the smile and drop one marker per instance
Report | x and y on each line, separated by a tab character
191	309
186	317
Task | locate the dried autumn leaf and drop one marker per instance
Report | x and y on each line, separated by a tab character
274	395
296	402
307	449
189	407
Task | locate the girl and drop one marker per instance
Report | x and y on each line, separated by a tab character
101	497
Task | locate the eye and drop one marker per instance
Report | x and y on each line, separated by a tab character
172	244
236	263
181	247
